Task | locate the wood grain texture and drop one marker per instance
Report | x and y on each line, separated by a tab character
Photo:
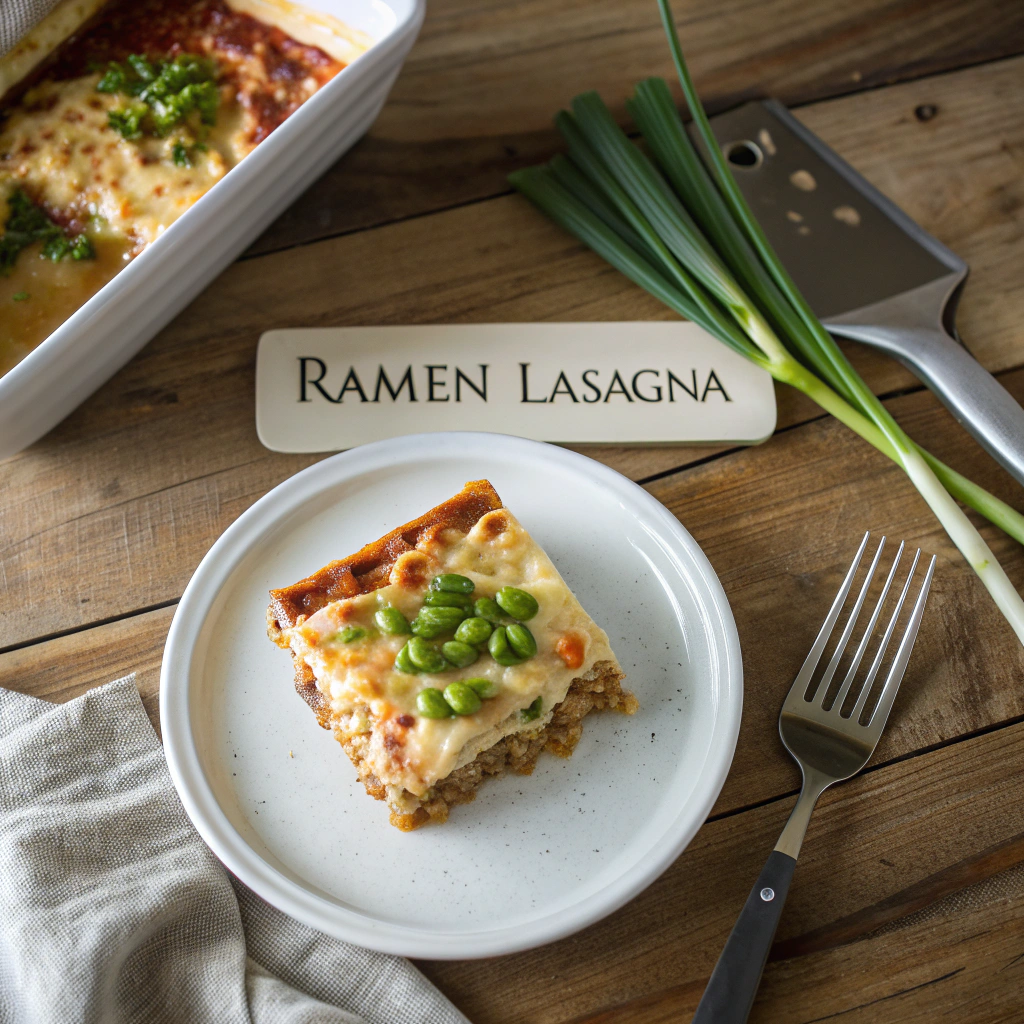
65	667
478	92
133	488
872	841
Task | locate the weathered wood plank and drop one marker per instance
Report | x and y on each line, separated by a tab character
135	485
873	840
65	667
458	120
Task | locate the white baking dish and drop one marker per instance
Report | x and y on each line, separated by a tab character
119	319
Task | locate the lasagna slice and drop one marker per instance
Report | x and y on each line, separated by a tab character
447	651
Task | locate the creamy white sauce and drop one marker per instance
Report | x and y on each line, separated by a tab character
361	675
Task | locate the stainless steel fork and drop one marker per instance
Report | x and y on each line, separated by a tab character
829	747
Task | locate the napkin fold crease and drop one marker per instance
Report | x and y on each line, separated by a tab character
114	911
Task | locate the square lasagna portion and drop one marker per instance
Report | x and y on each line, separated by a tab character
446	651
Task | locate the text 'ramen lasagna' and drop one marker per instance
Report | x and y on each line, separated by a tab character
124	125
446	651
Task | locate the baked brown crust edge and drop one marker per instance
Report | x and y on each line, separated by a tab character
367	570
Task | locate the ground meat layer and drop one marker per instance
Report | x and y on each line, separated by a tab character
599	689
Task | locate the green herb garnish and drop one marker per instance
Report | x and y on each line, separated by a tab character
166	94
27	224
677	224
532	713
20	296
180	155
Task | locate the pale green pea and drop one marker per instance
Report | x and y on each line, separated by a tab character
442	599
500	650
521	640
391	620
518	603
430	703
425	656
473	631
403	663
483	688
462	699
459	654
487	608
452	583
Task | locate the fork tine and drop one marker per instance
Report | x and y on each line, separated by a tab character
881	713
803	677
844	690
880	654
826	679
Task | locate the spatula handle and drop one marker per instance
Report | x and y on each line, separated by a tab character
977	400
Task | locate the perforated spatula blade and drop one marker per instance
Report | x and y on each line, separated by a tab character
869	271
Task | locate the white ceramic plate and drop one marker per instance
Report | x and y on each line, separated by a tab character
531	859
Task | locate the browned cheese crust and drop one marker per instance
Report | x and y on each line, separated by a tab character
369	569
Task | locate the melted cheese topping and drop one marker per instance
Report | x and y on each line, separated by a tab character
368	696
56	143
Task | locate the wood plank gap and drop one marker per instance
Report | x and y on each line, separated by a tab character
89	625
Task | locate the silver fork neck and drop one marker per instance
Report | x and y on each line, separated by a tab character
792	837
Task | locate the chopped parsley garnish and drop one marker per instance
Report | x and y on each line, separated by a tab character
27	224
180	155
20	296
166	92
532	713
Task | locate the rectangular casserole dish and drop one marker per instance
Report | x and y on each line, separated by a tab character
119	319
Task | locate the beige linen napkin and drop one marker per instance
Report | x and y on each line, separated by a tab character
18	16
113	910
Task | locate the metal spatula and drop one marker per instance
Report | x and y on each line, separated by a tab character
868	271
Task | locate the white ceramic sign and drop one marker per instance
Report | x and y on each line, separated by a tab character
627	383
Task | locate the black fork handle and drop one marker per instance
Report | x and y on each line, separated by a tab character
733	985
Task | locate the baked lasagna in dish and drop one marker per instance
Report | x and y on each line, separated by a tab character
445	652
124	123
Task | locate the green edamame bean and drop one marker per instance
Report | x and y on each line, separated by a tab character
483	688
487	608
500	649
425	656
403	663
430	703
442	599
462	699
532	713
518	603
521	640
452	583
349	634
459	654
432	622
473	631
391	620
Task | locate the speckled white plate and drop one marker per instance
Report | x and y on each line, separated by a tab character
532	859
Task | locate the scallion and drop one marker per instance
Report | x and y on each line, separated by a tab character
683	231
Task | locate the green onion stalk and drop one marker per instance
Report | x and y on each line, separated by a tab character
681	229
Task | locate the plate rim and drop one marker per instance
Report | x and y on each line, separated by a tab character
349	925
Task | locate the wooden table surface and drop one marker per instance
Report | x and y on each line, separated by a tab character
908	902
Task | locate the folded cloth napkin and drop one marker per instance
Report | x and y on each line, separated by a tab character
18	16
113	910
